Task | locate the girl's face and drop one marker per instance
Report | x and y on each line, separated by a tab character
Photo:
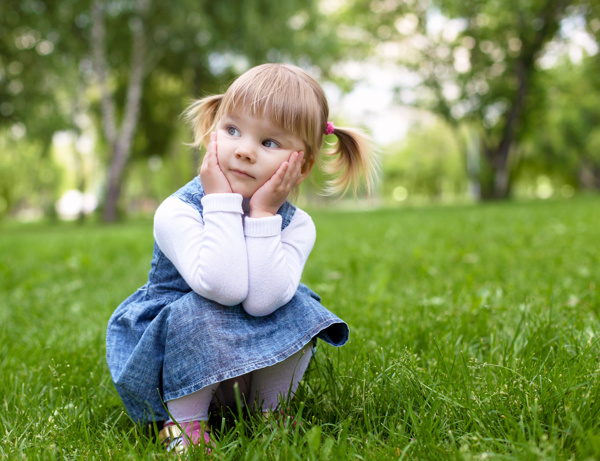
250	149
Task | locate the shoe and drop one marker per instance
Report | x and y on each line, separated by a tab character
176	440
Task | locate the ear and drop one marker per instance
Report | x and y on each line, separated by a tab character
305	171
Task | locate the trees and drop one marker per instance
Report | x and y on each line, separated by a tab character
502	42
427	165
132	63
196	41
39	86
564	141
119	138
119	54
475	63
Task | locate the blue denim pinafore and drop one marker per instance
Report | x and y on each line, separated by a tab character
166	341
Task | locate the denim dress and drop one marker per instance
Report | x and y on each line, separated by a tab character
166	341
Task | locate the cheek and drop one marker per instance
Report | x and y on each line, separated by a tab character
274	166
220	137
223	145
222	134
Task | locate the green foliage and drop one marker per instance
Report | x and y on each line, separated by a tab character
467	71
27	182
40	47
474	335
47	78
474	62
151	180
428	164
564	141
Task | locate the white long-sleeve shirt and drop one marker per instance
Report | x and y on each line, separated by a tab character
231	258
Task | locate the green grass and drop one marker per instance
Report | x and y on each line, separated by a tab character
474	335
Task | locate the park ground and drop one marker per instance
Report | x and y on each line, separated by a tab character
474	335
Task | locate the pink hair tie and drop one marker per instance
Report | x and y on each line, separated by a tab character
329	128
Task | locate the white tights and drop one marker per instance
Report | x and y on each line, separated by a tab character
264	386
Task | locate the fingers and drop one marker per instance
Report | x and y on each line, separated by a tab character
213	142
294	171
271	195
211	175
289	172
211	152
279	178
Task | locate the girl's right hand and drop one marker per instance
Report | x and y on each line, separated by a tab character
211	175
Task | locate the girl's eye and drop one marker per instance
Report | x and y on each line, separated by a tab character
233	131
270	144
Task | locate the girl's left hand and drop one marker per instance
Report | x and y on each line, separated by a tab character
271	195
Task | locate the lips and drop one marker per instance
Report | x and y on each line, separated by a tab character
242	173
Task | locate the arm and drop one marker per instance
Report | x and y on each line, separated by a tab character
276	259
209	254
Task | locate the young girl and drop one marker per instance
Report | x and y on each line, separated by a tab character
223	310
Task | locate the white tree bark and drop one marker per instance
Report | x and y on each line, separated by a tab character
119	138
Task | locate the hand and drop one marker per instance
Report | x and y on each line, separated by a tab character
211	175
271	195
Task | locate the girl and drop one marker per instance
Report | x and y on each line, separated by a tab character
223	310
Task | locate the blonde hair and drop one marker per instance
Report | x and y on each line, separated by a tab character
295	102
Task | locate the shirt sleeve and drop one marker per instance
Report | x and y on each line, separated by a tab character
276	260
209	252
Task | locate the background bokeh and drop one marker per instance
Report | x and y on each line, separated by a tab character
466	100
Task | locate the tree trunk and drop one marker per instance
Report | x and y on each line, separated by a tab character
495	176
498	156
473	163
120	139
113	183
589	176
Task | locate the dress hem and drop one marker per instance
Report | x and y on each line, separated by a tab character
240	371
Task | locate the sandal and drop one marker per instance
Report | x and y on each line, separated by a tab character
176	440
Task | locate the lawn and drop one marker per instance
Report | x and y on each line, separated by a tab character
474	335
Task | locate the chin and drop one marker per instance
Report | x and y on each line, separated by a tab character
243	190
245	195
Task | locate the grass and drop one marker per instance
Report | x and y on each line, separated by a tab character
474	335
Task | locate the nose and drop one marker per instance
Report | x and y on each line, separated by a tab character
246	151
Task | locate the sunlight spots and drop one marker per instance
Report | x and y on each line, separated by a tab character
44	48
400	194
434	301
18	131
462	60
73	203
407	24
544	188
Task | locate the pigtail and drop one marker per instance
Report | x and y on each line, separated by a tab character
351	158
202	115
